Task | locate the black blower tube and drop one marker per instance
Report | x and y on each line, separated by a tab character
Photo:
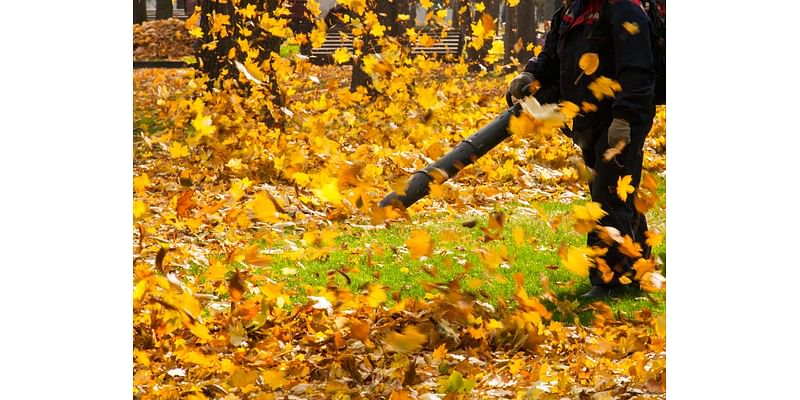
465	153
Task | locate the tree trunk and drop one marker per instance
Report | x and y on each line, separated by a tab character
139	11
388	12
215	62
163	9
520	31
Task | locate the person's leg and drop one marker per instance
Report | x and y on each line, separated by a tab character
622	215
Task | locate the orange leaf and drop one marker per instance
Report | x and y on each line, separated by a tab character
630	248
420	244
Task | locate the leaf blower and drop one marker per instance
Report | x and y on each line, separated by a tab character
468	151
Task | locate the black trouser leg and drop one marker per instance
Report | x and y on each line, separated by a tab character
621	215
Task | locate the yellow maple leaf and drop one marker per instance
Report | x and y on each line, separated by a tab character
630	248
420	243
376	295
203	125
624	187
576	262
274	378
569	109
513	3
592	211
313	7
631	27
426	3
329	192
263	208
588	107
516	363
653	238
342	55
426	97
196	32
377	30
247	12
277	27
178	150
140	183
604	87
440	353
139	209
317	36
522	125
216	272
643	266
409	341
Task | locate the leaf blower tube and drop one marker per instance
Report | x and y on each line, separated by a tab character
464	154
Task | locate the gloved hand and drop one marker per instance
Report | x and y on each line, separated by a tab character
520	85
620	130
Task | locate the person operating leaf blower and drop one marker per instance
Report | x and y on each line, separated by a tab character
590	39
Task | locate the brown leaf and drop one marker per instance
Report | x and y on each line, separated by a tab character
237	286
185	203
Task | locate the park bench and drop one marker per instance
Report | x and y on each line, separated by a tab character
450	44
176	13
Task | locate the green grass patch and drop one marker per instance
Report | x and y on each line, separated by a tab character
365	256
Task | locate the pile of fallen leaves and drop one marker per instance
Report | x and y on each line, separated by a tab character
166	39
189	341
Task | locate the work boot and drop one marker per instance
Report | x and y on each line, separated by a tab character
596	292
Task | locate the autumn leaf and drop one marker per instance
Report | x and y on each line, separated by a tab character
643	266
342	55
588	63
624	187
653	282
440	353
653	238
376	296
420	244
140	184
178	150
521	125
139	209
631	27
274	378
426	97
329	193
630	248
604	87
411	340
263	208
455	383
185	203
576	262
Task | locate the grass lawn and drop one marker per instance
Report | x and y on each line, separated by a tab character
456	251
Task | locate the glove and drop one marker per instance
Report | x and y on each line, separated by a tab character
620	130
520	85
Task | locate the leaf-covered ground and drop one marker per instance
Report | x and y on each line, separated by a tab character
219	198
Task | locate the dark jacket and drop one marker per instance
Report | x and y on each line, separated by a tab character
607	28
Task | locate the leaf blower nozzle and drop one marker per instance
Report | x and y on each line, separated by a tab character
464	154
